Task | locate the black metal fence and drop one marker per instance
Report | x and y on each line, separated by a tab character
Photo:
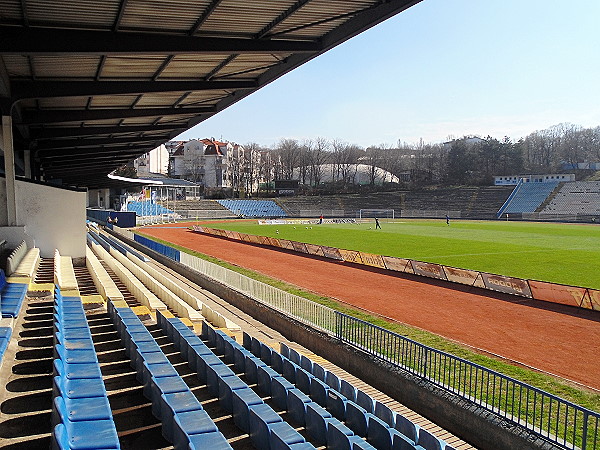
557	420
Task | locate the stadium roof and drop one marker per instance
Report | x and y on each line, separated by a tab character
91	85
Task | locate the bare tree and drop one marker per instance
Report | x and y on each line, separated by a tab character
317	157
289	154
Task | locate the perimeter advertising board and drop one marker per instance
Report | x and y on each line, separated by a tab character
332	253
299	247
463	276
550	292
508	285
351	256
370	259
557	293
428	270
397	264
592	300
314	249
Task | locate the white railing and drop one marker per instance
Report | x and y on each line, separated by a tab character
302	309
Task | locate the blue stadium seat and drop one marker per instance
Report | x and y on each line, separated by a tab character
406	427
212	441
317	421
384	413
261	418
336	404
318	371
428	441
365	401
297	401
279	391
339	436
242	400
190	423
347	390
173	404
357	418
283	435
265	376
379	434
318	391
226	387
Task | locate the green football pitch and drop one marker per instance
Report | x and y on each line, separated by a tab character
559	253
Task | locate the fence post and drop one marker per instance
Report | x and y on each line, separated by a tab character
585	430
338	325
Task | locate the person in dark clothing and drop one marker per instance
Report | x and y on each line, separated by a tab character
447	220
377	224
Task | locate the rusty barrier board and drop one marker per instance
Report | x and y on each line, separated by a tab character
284	243
274	242
508	285
370	259
429	270
351	256
314	249
557	293
464	276
592	300
397	264
299	247
331	252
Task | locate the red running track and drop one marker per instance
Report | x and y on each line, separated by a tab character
552	338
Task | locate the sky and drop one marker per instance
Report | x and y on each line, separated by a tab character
441	69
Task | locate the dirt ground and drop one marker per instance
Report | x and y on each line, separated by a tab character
553	338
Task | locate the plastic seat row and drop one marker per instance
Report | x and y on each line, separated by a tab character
266	428
303	411
11	296
382	427
254	208
102	280
64	274
184	421
135	286
5	334
81	414
147	208
178	305
22	262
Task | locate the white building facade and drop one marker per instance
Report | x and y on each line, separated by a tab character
155	161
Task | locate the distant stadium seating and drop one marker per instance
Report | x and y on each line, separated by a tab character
147	209
528	197
577	197
254	208
472	202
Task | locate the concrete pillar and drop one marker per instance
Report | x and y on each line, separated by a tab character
9	168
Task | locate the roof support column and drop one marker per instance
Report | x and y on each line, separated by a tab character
9	168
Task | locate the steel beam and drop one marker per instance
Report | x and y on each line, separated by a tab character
82	143
63	132
29	89
83	115
49	41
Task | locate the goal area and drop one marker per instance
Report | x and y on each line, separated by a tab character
376	213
